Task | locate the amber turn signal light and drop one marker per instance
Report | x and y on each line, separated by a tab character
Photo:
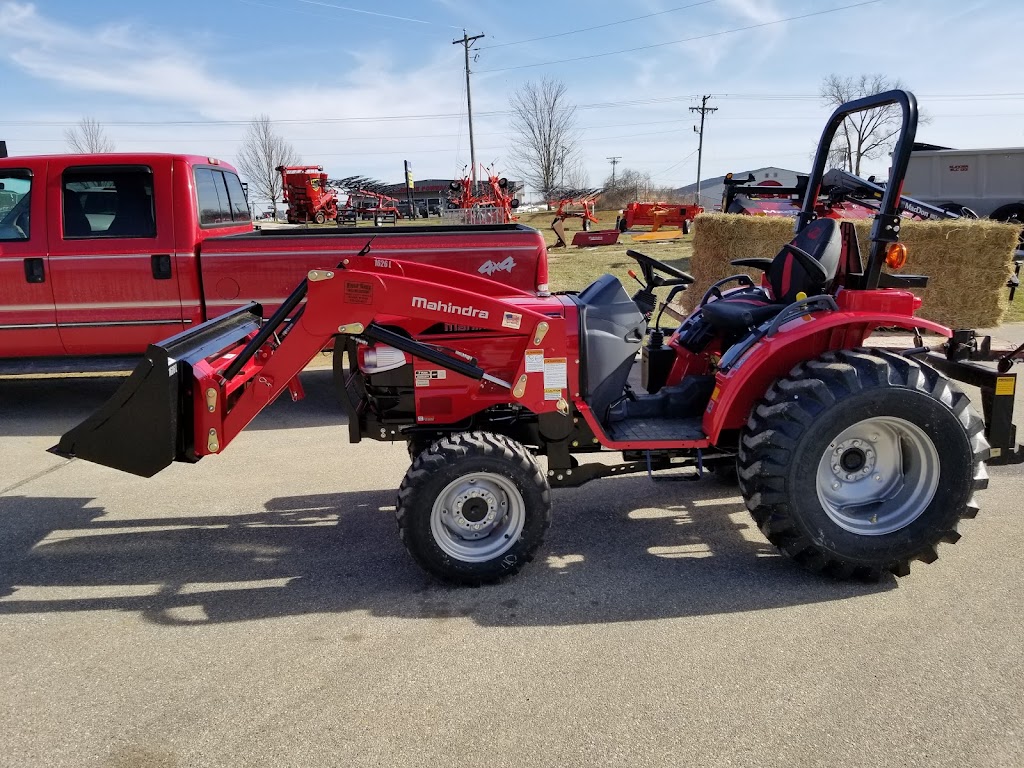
896	255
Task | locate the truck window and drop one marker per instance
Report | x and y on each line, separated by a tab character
239	202
105	202
15	186
220	197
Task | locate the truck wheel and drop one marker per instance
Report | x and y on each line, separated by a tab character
319	218
861	461
473	508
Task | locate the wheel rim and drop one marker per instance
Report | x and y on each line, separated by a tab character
878	476
478	517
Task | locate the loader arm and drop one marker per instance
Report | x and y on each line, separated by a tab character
197	391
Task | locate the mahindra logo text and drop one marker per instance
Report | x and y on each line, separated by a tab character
490	267
451	309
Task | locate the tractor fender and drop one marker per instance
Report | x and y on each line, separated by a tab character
739	388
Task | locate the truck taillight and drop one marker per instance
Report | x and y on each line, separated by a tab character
542	274
380	358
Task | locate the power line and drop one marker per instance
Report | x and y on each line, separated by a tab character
499	113
599	26
368	13
685	40
676	165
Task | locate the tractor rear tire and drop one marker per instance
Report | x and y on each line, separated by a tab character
860	462
473	508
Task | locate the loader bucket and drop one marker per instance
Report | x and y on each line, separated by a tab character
148	422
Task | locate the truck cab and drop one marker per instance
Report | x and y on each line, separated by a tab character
97	252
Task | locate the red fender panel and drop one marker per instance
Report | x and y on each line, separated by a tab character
805	338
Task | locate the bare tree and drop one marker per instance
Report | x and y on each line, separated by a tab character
88	137
631	185
262	152
546	140
866	135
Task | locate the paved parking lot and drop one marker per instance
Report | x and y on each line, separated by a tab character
258	609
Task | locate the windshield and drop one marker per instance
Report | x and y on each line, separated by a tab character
14	202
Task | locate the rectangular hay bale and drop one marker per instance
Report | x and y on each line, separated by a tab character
967	261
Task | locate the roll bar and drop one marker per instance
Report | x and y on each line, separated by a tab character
886	228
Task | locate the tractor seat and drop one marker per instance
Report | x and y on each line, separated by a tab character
741	310
786	278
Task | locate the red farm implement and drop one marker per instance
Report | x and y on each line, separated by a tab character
576	204
657	215
842	196
853	460
367	199
308	194
496	193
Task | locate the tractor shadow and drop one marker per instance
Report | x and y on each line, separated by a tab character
618	550
31	406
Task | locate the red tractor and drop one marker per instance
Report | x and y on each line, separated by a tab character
308	194
853	461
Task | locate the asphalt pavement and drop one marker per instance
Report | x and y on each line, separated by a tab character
258	609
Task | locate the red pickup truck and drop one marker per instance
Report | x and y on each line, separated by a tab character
102	254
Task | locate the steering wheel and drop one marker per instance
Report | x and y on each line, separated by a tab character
649	265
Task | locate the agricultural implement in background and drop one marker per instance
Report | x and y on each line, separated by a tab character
657	215
853	461
842	196
577	204
308	193
496	193
367	199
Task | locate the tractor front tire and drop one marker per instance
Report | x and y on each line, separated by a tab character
860	462
473	508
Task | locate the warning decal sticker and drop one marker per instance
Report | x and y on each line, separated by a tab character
534	361
555	373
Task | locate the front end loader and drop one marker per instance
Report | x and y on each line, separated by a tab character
852	460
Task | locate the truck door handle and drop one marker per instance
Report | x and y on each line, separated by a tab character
35	271
161	266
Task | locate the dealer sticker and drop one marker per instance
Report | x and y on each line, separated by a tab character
511	320
358	293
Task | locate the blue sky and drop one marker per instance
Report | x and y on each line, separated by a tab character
360	91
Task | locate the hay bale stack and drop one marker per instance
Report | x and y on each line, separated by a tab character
967	262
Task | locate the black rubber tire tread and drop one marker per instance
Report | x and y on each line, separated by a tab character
792	410
438	465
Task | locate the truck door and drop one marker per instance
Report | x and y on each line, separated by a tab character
112	255
28	324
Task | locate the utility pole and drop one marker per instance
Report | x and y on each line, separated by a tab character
467	42
614	161
704	109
